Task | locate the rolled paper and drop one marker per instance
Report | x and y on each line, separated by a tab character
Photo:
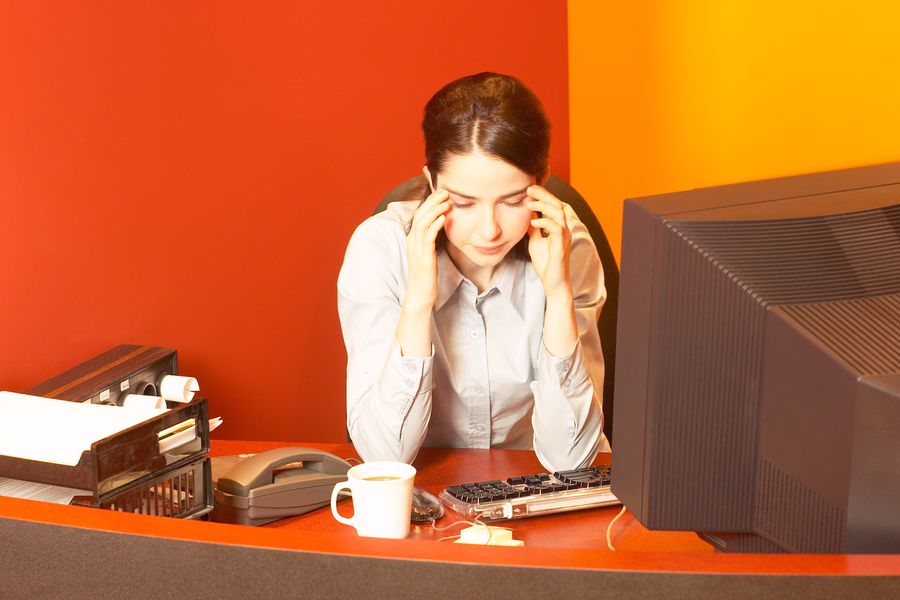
178	389
142	401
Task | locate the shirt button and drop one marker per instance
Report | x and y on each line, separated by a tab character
475	334
478	389
478	428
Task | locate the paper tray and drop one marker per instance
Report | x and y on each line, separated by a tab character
122	458
183	491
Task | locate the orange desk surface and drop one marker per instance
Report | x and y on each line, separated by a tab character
570	540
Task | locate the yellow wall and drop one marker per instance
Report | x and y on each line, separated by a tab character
676	95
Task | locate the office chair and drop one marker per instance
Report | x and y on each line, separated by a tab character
414	189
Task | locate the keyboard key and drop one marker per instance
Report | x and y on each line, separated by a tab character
489	483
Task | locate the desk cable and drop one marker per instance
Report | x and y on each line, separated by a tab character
609	527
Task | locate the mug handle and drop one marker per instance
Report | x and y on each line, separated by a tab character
338	488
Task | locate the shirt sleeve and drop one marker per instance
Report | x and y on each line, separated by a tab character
388	395
568	412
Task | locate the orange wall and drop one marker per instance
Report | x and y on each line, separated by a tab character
669	96
188	174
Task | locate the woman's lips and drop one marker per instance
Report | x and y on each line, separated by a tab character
490	249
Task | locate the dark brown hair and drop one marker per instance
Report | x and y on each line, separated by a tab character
496	114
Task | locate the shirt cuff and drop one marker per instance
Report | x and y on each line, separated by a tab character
566	373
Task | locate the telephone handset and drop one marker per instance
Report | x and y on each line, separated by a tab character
260	488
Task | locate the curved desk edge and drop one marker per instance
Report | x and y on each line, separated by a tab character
25	511
54	560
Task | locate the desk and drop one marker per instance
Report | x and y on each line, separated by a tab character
437	468
104	554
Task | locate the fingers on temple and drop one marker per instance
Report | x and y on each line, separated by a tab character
549	209
555	211
433	207
434	228
435	197
551	226
542	195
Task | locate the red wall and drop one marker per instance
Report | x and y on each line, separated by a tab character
188	174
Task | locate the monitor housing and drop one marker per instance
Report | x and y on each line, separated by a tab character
758	363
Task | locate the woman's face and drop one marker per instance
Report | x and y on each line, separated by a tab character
488	214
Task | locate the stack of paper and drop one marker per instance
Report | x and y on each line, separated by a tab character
29	490
58	431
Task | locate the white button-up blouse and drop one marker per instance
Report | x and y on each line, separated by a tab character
489	383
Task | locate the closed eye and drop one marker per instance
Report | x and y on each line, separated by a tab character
457	204
514	203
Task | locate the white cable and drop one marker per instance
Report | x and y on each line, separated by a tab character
609	543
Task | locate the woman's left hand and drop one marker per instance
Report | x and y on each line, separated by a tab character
550	242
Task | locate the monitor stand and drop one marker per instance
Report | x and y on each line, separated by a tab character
731	542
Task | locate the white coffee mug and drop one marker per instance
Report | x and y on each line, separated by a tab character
382	498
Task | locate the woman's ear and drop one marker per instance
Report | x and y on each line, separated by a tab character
427	175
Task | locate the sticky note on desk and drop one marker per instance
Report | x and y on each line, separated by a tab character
483	535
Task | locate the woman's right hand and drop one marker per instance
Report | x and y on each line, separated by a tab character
421	291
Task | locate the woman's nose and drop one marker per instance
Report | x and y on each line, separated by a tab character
488	228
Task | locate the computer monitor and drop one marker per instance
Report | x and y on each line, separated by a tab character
758	363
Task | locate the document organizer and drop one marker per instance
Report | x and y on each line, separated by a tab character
128	471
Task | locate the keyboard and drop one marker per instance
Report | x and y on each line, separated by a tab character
531	495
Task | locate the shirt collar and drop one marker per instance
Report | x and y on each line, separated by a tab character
508	283
449	278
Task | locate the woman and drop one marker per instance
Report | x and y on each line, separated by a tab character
470	317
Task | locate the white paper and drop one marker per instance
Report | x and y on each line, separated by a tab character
173	441
58	431
177	388
29	490
186	444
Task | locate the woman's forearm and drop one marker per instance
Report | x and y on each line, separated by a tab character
560	327
414	331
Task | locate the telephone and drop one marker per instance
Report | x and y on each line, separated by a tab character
255	489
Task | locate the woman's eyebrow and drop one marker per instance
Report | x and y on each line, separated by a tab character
502	196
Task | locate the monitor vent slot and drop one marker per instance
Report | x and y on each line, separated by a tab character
834	257
795	517
706	355
863	333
